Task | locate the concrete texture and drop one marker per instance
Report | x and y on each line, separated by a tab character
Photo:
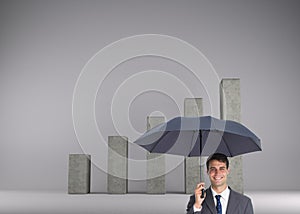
231	110
194	171
79	174
155	164
117	182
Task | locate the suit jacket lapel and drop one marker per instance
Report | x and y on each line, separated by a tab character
232	202
210	201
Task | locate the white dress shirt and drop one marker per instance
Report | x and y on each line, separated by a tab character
224	200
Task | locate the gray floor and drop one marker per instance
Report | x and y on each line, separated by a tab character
60	202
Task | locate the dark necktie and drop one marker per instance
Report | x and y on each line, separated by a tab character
219	206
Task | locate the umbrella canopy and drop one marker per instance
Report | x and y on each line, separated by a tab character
200	136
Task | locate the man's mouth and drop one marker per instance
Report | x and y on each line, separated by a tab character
218	178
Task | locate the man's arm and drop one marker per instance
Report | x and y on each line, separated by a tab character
195	203
190	209
249	207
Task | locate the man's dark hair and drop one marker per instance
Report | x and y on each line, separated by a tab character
219	157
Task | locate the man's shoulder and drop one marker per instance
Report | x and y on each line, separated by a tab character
236	194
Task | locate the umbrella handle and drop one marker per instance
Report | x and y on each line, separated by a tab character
202	193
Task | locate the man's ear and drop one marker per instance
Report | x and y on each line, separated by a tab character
228	171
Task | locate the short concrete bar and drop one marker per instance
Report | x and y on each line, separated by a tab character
117	177
155	164
79	174
194	170
231	110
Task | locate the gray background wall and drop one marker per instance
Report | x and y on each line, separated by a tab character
45	44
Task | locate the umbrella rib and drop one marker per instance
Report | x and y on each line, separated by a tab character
193	140
167	132
225	141
259	147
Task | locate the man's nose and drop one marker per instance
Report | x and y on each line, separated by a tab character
217	171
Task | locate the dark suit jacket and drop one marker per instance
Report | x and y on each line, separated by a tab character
237	204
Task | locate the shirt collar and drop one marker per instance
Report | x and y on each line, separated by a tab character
224	194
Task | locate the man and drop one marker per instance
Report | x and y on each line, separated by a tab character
219	198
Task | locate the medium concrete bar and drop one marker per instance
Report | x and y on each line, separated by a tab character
117	177
231	110
194	170
79	174
155	164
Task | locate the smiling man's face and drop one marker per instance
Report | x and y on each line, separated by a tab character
217	173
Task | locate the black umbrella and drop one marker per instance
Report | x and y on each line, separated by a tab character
200	136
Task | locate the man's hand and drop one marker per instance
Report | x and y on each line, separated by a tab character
198	193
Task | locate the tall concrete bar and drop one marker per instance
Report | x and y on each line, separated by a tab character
79	174
194	170
155	164
231	110
117	177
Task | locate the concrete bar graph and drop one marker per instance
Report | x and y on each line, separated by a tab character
231	110
155	164
117	177
193	173
79	174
